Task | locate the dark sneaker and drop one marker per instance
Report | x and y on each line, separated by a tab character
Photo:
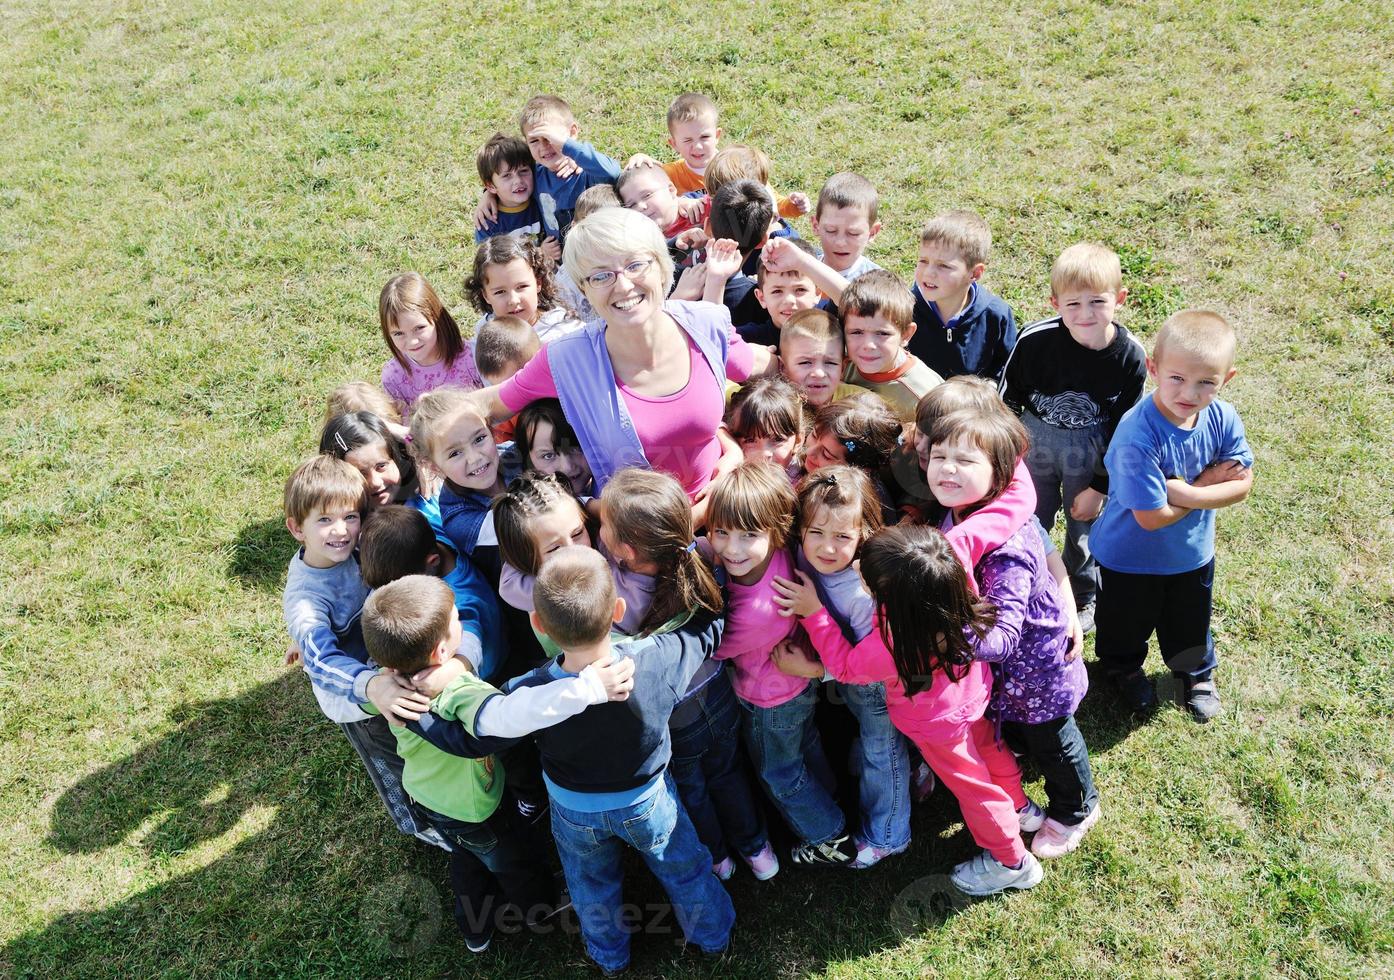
532	811
838	851
1199	698
479	944
1086	618
1136	691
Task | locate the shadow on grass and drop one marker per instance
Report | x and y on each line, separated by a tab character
314	880
260	555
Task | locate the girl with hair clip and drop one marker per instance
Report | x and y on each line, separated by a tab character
838	511
928	622
363	396
752	512
512	276
428	351
364	440
766	418
859	431
646	532
545	441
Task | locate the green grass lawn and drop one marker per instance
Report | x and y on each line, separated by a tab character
198	205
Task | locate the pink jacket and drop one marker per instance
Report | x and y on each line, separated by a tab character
941	714
753	628
987	529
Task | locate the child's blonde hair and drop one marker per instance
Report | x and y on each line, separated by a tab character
501	250
574	597
323	481
837	487
690	107
736	162
360	396
411	291
964	233
503	342
879	292
649	512
755	496
959	392
766	408
541	108
1089	266
435	412
815	324
1203	334
592	199
848	190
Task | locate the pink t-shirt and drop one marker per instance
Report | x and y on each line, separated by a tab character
753	628
677	431
405	388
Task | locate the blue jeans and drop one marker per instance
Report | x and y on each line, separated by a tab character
883	768
789	760
592	848
710	771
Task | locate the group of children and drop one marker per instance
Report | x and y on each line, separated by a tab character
538	647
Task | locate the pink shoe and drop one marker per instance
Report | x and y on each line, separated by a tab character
764	865
1056	839
868	855
724	868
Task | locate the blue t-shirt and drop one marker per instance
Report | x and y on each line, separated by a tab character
1146	451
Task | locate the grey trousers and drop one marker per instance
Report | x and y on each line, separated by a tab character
1062	463
377	747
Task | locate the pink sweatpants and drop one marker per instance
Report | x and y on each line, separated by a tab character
985	778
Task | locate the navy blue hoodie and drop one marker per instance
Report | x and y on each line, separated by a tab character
977	341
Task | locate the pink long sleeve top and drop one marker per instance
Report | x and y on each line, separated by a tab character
987	529
753	628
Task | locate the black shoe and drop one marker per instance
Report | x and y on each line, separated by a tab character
838	851
1086	618
532	811
1199	698
479	944
1136	691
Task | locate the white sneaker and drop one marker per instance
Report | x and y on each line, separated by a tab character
724	868
985	875
1055	839
1030	817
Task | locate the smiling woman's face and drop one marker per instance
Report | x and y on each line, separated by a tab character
633	297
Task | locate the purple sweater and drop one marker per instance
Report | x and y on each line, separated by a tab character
1032	682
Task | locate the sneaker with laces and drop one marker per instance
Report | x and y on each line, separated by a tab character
1030	817
924	782
1200	698
764	865
530	811
1055	839
724	868
867	855
985	875
837	851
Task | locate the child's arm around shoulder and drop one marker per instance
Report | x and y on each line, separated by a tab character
527	708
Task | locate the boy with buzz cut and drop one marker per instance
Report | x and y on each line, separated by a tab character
505	167
1176	458
811	357
962	328
325	500
606	769
411	625
845	223
877	325
1071	378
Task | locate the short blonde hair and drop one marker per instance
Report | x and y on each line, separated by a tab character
611	234
503	342
323	481
736	162
962	391
689	107
964	233
879	291
592	199
434	412
815	324
360	396
755	496
1086	265
540	108
1203	334
574	595
848	190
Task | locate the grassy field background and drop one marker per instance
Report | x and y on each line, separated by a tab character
198	204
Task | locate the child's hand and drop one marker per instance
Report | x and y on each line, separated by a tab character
567	167
398	701
800	200
1076	638
690	239
616	675
691	208
486	211
779	256
796	598
1087	504
723	259
427	482
552	249
292	654
691	283
399	430
1222	472
433	680
641	160
792	659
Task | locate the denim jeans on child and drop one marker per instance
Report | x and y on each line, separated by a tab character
1057	748
710	771
883	768
1062	463
788	757
592	845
